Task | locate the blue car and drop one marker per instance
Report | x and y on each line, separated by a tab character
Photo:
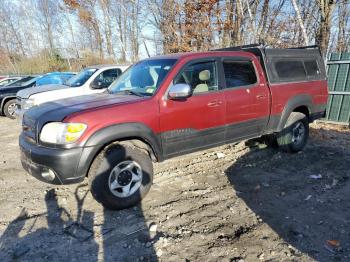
53	78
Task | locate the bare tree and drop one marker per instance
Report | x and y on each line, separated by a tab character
343	28
300	21
326	8
107	15
47	16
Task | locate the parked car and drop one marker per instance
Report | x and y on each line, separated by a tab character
8	80
20	81
8	93
172	105
91	80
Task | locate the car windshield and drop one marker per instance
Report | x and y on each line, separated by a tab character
81	78
144	78
20	81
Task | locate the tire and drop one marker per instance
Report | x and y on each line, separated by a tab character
295	134
102	180
9	108
270	140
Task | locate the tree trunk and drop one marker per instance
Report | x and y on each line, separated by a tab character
301	23
263	21
326	8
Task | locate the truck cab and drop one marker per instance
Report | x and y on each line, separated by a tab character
172	105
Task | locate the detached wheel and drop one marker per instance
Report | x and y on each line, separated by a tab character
295	134
10	108
120	177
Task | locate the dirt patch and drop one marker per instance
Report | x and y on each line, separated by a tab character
231	203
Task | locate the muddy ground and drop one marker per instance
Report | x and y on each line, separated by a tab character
231	203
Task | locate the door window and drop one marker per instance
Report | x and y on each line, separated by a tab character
107	77
201	77
239	73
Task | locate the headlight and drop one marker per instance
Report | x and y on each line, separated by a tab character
62	133
28	103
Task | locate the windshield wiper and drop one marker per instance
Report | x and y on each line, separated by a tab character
131	92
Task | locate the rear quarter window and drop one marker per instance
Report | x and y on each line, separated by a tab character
239	73
312	69
290	70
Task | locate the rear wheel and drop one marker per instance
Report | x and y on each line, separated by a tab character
10	108
295	134
121	176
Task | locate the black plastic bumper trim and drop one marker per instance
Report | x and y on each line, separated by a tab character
63	162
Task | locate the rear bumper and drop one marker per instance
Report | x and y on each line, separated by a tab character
37	159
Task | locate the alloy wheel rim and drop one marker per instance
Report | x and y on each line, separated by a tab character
125	179
298	133
11	109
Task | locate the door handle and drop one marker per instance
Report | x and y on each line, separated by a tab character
215	103
261	96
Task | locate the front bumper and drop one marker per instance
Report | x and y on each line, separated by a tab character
19	114
37	159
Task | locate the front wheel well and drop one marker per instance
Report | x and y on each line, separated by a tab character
131	142
4	101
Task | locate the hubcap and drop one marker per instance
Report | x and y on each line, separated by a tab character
298	133
125	179
11	109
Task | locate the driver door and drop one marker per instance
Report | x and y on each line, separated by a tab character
198	121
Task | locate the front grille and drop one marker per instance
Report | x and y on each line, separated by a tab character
28	127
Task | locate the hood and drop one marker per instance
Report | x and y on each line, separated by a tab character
57	110
26	93
10	90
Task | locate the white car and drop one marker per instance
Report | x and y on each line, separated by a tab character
91	80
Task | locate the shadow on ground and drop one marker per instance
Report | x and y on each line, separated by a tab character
75	230
121	235
303	197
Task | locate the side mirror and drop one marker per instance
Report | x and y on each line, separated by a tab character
180	91
96	84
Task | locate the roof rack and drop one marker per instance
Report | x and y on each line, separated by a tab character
304	47
261	45
234	48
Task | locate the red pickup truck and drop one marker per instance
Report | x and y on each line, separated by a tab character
171	105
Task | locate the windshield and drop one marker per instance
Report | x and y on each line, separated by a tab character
20	81
81	78
144	78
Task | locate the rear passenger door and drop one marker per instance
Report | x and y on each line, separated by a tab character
247	99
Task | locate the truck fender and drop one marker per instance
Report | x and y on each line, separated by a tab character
292	104
113	134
